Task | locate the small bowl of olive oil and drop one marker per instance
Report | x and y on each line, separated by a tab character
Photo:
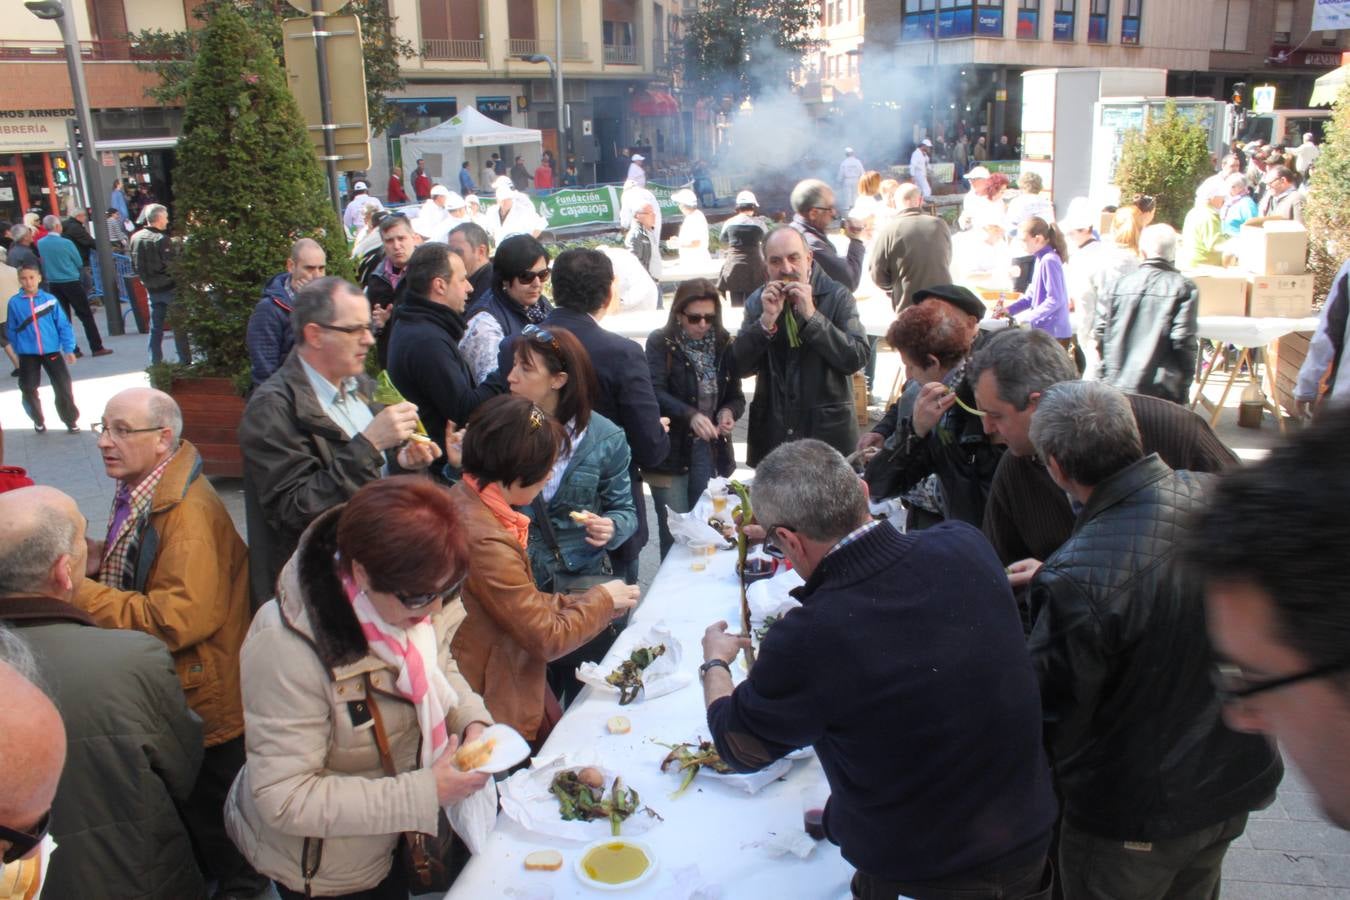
615	864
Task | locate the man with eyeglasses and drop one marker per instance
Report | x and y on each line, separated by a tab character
1154	785
33	745
313	433
173	566
1271	552
906	670
1282	198
133	743
814	211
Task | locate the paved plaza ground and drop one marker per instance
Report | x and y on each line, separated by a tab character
1288	852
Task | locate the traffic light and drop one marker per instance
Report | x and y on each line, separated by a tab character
1240	94
61	170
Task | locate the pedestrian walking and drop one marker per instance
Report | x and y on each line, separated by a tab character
41	334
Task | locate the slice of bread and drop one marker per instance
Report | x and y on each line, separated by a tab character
544	861
619	725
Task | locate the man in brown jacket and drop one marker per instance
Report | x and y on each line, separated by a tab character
174	567
912	251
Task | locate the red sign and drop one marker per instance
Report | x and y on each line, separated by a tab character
1312	59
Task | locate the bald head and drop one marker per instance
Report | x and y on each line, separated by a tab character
908	196
142	427
42	549
307	262
32	751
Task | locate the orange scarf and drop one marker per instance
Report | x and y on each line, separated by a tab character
491	495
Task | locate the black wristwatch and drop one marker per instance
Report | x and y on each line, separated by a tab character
713	664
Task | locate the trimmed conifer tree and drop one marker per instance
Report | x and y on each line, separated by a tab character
1167	161
247	185
1327	210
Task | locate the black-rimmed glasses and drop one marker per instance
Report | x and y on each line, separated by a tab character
1232	684
348	329
122	432
421	601
21	843
770	546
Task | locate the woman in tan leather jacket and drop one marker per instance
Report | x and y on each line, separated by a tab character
512	629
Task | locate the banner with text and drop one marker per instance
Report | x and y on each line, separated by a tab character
1331	15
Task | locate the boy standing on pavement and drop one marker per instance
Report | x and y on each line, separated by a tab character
42	336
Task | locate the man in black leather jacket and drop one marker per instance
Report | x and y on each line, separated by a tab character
1154	786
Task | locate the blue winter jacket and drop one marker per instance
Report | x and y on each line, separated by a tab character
269	338
37	326
595	480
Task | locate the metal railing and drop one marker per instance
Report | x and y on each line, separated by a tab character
96	51
573	51
625	54
452	50
522	47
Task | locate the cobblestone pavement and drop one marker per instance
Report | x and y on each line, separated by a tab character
1289	852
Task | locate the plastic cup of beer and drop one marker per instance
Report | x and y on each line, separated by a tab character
701	552
719	503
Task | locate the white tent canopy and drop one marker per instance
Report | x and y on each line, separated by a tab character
444	146
1327	88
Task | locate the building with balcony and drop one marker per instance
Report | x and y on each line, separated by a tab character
136	136
616	68
947	67
833	72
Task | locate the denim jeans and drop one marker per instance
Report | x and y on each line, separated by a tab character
683	491
159	313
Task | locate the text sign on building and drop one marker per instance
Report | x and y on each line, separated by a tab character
1331	15
33	130
1263	98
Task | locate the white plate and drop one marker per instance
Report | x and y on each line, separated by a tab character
603	886
510	749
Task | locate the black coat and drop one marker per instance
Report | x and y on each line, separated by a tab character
428	370
626	398
675	381
1146	332
73	229
1135	730
806	392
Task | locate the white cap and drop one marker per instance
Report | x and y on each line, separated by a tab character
440	190
977	172
472	200
503	181
360	186
926	142
454	201
1079	216
684	197
503	191
745	198
848	150
637	157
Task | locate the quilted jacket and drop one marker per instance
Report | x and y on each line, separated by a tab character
1146	332
1132	722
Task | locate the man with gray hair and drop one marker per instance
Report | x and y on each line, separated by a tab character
269	338
173	566
814	211
1027	516
151	251
61	270
134	746
912	251
1154	785
894	629
1145	330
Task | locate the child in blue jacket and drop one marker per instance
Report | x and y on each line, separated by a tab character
41	334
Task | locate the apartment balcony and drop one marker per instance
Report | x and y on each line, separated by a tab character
90	51
573	51
621	54
439	50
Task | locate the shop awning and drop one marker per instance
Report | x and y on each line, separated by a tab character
654	103
1327	88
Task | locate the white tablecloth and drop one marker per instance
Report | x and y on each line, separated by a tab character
1249	332
717	828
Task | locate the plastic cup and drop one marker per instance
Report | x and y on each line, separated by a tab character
701	552
814	797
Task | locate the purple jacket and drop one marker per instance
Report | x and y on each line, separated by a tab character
1046	302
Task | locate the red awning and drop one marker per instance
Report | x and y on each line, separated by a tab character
654	103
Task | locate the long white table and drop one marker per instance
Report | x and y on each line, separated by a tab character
715	827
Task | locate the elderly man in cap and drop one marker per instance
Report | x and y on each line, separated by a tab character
975	204
850	170
636	172
356	209
743	250
918	167
434	209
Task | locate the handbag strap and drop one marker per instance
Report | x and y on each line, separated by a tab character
545	525
381	736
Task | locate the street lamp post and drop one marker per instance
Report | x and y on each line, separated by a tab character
555	71
59	10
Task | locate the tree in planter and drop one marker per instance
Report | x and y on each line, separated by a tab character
1327	210
1167	161
248	186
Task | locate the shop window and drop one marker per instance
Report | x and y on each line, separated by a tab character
1129	23
989	18
1064	10
1098	17
920	20
956	18
1029	19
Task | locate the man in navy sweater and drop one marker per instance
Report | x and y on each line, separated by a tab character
906	670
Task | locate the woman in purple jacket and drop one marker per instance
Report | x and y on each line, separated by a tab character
1045	305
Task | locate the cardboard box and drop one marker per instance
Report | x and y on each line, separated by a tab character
1271	246
1280	296
1223	292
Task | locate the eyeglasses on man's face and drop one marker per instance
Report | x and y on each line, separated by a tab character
348	329
1232	684
122	432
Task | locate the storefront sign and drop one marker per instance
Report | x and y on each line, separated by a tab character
33	130
1063	26
1263	98
954	23
917	27
989	22
496	108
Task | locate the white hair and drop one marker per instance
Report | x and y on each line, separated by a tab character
1158	242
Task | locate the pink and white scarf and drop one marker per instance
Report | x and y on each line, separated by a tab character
412	651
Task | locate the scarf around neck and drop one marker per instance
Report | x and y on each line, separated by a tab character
491	494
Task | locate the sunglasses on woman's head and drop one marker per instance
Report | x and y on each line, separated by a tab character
540	275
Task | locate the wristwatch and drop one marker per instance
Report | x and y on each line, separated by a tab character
713	664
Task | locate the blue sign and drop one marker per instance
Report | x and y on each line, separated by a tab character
1064	26
989	22
918	27
954	23
1129	30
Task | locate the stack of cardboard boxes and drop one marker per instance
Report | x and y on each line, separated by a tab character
1270	278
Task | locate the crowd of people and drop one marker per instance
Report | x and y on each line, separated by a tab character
1045	674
